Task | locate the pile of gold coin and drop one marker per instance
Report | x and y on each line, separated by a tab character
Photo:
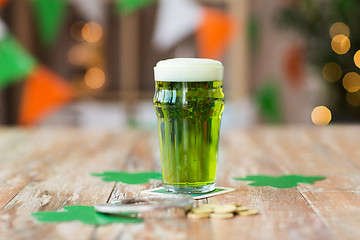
220	211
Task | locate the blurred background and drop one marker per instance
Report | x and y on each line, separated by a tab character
89	63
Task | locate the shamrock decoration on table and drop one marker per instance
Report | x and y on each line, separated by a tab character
285	181
84	214
128	178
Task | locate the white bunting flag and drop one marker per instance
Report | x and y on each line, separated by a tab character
176	20
3	29
91	10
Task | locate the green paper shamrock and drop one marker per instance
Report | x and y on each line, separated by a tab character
128	178
285	181
84	214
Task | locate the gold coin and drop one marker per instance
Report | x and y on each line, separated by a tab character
202	210
222	215
249	213
241	209
227	208
198	216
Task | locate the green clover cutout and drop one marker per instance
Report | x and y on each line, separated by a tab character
84	214
285	181
128	178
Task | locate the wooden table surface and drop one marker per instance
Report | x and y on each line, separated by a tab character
48	168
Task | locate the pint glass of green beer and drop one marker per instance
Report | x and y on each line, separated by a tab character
189	102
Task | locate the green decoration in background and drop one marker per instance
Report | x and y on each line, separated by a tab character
285	181
268	100
129	6
84	214
128	178
49	15
253	29
15	62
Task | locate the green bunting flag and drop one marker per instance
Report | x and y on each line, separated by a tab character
268	101
49	15
15	62
129	6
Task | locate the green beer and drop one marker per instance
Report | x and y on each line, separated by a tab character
189	102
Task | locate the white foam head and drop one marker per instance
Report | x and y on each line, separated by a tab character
188	70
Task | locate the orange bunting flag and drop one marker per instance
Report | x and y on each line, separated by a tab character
215	33
43	93
294	65
2	2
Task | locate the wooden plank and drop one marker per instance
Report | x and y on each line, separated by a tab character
19	163
278	207
57	164
8	138
341	142
62	178
141	158
145	156
337	200
284	213
318	151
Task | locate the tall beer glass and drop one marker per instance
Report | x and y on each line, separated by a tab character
189	102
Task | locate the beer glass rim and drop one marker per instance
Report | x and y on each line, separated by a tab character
189	70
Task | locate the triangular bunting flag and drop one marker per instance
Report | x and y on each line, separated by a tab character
268	100
43	93
129	6
215	33
2	2
294	65
175	20
49	15
15	62
91	10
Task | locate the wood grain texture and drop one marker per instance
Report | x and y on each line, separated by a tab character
46	169
59	176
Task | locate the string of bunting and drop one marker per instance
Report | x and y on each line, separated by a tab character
44	91
214	29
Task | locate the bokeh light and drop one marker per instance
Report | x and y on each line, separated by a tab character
353	98
351	82
331	71
92	32
76	30
339	28
357	59
94	78
340	44
78	55
321	116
